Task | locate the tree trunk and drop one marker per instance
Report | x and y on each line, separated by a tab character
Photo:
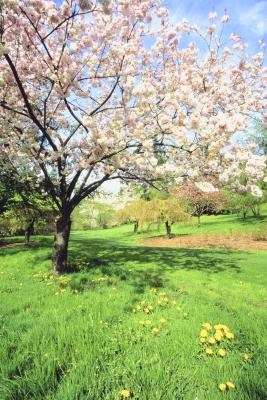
136	224
198	221
27	236
29	231
61	242
244	215
168	229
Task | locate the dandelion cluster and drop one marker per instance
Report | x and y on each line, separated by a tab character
226	386
46	277
159	299
64	281
102	279
214	339
216	336
155	301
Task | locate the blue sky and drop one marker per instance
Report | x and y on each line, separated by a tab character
248	17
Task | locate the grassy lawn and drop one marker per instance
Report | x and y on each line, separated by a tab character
92	333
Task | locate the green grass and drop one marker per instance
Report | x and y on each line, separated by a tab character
77	337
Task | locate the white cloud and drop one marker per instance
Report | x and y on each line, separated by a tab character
254	18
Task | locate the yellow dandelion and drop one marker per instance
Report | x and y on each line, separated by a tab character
230	385
138	307
125	393
209	351
202	340
155	331
146	310
153	290
174	302
142	322
221	352
212	340
218	336
148	322
165	300
162	320
222	387
162	294
225	328
203	333
229	335
150	308
246	357
207	326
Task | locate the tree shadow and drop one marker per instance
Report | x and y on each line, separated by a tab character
252	220
17	245
254	391
140	266
110	252
147	266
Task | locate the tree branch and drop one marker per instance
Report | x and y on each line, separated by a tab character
27	103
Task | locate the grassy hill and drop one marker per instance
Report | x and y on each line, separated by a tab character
130	318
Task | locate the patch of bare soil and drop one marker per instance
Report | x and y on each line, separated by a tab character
5	244
237	241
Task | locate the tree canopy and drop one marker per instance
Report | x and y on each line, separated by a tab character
97	91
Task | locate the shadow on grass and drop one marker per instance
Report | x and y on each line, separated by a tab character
109	252
40	248
254	391
148	266
252	220
139	266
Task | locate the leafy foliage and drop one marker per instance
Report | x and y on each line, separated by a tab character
93	214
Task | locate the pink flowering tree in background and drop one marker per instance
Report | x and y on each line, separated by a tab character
92	91
200	200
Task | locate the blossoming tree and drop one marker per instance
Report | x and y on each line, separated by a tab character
90	91
200	201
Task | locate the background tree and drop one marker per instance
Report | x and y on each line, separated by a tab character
7	187
84	100
93	214
243	203
134	213
157	211
25	212
200	202
166	211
